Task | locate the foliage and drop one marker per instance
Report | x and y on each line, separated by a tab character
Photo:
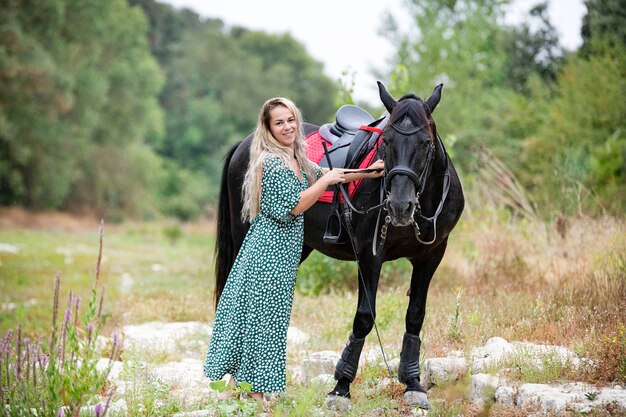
127	108
144	394
74	80
455	321
58	375
320	274
90	95
532	51
604	20
512	93
582	142
238	402
520	280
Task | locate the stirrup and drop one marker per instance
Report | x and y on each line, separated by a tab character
334	224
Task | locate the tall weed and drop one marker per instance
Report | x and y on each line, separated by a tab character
57	376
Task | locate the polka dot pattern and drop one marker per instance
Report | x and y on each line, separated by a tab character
249	338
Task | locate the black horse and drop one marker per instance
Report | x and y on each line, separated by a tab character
422	201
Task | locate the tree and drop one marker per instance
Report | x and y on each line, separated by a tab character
604	19
579	153
457	43
532	51
74	78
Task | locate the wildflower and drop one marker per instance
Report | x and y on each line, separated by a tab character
89	333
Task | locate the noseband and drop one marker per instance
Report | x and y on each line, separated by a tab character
418	180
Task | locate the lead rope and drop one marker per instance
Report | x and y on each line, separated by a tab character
348	216
369	304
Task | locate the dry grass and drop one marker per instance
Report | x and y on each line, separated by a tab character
519	280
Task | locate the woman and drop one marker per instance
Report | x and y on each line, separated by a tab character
250	329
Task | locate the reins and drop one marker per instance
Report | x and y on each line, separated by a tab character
348	218
420	184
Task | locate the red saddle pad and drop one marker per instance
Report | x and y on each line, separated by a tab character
315	153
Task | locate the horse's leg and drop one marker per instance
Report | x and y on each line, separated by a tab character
347	366
409	371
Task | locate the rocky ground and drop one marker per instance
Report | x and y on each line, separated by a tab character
486	368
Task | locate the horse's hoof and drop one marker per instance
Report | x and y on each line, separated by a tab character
339	403
416	399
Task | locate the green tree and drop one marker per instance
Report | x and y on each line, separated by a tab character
457	43
604	19
532	48
216	80
291	72
579	153
75	78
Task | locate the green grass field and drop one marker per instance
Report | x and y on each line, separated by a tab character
516	280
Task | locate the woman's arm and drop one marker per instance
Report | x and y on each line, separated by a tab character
310	196
350	174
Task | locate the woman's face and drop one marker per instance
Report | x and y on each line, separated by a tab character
283	125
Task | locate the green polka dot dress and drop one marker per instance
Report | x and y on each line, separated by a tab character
249	338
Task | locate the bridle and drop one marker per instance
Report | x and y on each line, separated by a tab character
420	184
418	180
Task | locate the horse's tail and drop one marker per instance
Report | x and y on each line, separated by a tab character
224	245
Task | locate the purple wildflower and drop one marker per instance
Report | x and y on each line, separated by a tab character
98	410
76	311
68	315
89	333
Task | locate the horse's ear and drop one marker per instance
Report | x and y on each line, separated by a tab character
433	100
385	97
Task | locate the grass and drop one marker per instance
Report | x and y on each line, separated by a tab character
514	279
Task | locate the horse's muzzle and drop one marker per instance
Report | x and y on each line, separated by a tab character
401	212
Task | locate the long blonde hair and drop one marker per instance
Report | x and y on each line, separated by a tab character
265	144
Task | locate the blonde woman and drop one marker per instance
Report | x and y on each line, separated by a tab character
250	329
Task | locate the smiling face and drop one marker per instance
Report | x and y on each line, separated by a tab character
283	125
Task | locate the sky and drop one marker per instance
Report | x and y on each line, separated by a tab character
343	34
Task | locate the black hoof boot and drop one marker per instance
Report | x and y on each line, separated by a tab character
349	362
409	372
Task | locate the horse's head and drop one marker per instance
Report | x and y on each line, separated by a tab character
409	147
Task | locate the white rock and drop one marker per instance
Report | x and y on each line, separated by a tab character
116	368
165	336
296	336
185	373
318	363
198	413
494	351
555	398
615	396
327	380
8	248
297	374
441	370
506	395
482	388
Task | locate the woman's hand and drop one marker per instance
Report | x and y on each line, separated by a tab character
379	166
333	176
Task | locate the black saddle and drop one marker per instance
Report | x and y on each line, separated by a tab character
350	144
348	119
